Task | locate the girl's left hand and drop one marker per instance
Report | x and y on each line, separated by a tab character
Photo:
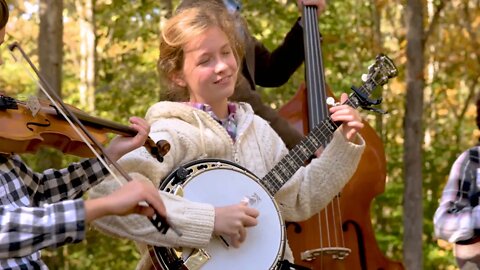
352	122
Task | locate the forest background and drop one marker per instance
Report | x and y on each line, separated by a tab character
106	65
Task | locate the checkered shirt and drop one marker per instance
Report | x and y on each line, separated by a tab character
230	123
40	210
457	219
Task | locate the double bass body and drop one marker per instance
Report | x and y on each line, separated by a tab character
345	223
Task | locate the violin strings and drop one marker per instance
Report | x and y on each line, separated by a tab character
82	136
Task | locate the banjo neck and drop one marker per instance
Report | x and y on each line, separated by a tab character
286	167
321	134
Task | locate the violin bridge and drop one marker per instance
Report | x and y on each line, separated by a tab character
33	104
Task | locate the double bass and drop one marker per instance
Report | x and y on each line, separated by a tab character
340	236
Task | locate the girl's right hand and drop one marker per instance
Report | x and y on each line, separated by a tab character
233	220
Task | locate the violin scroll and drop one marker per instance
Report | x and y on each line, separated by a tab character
159	149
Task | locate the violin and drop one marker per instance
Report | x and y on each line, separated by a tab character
34	124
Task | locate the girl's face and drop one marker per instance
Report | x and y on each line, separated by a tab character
210	69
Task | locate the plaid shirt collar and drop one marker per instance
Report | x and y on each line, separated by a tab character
229	123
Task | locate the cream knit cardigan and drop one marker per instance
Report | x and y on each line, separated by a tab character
193	135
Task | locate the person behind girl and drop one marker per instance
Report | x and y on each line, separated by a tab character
199	54
40	210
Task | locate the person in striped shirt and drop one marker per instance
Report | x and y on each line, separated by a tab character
457	218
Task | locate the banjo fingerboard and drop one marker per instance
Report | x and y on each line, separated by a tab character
296	158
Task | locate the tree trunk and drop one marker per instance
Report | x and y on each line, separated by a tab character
50	42
412	205
87	54
50	50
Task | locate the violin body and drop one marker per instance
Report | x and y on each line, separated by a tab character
352	209
24	132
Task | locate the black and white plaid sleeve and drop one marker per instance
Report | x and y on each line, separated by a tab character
25	230
56	185
35	210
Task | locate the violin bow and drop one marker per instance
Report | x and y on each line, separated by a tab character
157	220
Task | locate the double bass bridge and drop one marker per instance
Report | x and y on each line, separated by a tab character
337	253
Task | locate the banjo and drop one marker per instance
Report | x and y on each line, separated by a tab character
220	182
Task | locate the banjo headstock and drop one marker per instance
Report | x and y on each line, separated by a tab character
378	74
382	70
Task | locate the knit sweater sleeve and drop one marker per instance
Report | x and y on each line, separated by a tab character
194	220
312	187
